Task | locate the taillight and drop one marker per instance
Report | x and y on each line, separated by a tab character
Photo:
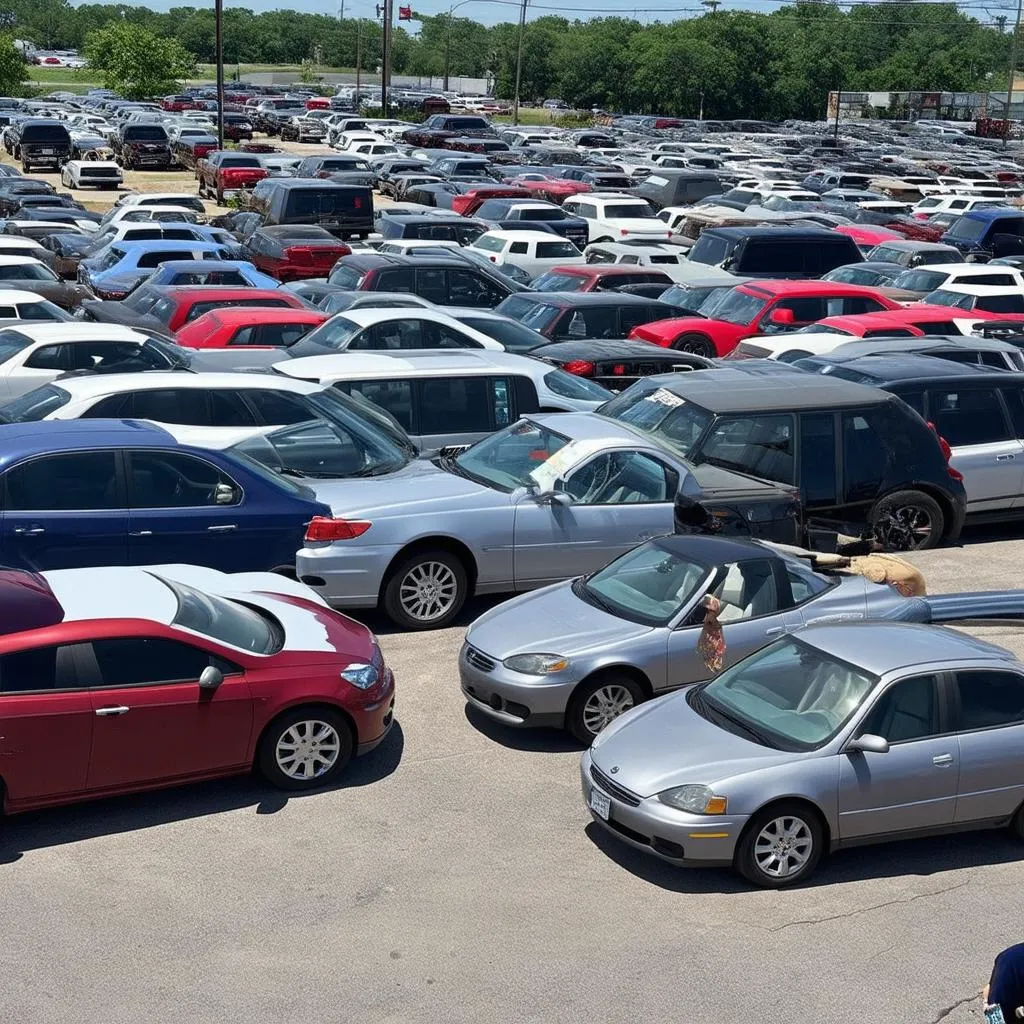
619	369
947	454
325	528
579	367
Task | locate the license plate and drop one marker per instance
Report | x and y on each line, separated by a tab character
47	152
600	804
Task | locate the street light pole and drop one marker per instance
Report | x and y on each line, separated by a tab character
448	47
385	64
519	61
1013	70
218	16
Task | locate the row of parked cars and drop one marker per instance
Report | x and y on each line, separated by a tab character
616	429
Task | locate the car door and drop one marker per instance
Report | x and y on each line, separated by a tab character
151	719
44	709
183	508
989	705
65	510
606	506
914	784
978	429
756	608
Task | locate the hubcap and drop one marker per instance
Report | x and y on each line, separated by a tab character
783	847
308	749
605	705
428	591
904	528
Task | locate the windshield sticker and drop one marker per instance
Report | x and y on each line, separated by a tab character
666	398
559	465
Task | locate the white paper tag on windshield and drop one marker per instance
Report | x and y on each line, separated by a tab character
664	397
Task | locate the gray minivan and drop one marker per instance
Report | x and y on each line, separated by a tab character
665	187
793	253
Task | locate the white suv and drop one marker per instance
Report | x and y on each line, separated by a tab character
612	216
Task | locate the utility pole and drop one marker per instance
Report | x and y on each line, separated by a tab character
218	17
1013	71
385	64
448	47
519	61
359	60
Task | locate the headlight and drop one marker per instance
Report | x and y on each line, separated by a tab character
536	664
694	799
361	675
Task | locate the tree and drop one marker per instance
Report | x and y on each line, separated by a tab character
136	62
12	67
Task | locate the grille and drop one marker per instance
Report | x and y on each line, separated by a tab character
479	660
613	788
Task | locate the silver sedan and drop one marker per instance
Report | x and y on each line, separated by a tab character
841	735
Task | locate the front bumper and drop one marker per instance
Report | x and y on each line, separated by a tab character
692	840
344	574
375	718
511	697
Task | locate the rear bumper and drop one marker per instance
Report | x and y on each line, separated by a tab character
345	577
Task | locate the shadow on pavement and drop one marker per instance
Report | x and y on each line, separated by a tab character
37	830
920	857
547	741
383	626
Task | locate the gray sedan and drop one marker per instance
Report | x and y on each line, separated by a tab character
842	735
547	498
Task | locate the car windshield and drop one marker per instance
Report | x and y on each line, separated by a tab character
920	280
661	414
508	459
966	229
36	405
788	695
650	584
141	301
334	334
568	385
554	281
322	450
738	307
538	316
225	621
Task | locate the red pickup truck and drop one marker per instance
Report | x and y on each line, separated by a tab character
222	172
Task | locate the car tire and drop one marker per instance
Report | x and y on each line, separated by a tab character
305	748
907	521
695	344
426	590
790	829
600	700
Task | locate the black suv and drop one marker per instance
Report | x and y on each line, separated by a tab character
864	461
40	143
142	145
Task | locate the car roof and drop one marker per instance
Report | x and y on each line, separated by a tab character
18	440
164	244
588	426
969	269
902	367
231	316
195	292
507	234
775	288
924	345
366	316
880	647
966	288
19	261
19	295
78	330
989	213
738	233
908	245
427	363
734	390
99	385
614	348
713	550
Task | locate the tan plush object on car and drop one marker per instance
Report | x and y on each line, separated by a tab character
891	569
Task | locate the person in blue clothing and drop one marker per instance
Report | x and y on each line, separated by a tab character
1005	988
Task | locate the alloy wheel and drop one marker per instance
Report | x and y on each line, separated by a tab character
904	528
428	591
783	847
307	749
604	705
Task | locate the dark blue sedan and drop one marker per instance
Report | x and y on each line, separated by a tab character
124	492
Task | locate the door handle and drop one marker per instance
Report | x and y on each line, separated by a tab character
942	760
141	533
29	531
227	528
1005	458
119	709
775	631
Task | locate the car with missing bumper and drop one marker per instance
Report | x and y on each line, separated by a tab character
150	677
841	735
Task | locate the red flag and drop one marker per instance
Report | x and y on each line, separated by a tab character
405	13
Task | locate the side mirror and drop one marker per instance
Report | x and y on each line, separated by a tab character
211	678
224	494
553	498
868	744
782	317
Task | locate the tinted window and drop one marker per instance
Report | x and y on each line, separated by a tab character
588	322
66	482
774	257
393	396
817	458
1014	399
456	405
40	668
188	406
968	416
759	444
49	357
989	698
171	480
282	334
908	710
277	407
466	288
865	457
134	660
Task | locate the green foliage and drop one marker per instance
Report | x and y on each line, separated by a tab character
13	72
729	63
135	62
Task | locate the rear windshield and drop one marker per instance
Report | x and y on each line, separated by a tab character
146	132
55	132
332	202
553	281
541	213
36	405
98	171
967	230
533	314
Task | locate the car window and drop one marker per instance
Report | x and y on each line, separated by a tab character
468	288
817	458
987	698
771	257
747	590
431	285
49	357
395	279
138	660
187	406
277	407
63	482
38	668
282	334
761	445
805	310
804	585
968	416
455	405
521	248
865	457
622	478
907	710
172	480
393	396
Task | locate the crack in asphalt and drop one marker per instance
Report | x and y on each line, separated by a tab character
943	1014
877	906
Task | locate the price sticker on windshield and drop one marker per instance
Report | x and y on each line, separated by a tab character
664	397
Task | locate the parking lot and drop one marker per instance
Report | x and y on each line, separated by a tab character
455	876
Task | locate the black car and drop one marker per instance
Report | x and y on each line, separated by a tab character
864	461
578	315
13	189
40	142
139	145
615	364
432	227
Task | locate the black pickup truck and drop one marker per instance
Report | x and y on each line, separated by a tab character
140	145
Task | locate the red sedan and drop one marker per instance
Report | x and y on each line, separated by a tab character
181	304
763	307
124	679
254	328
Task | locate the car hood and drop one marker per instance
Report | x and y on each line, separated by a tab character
665	744
112	312
549	621
419	488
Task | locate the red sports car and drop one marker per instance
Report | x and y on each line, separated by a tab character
253	328
121	679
